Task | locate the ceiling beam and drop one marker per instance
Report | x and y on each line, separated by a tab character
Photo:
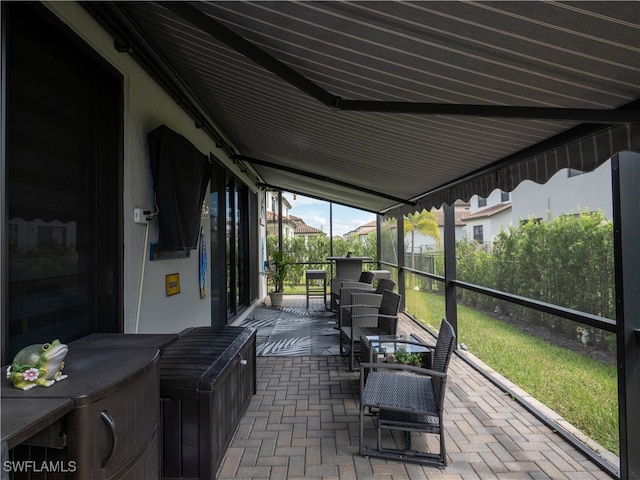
269	186
583	115
238	43
227	36
322	178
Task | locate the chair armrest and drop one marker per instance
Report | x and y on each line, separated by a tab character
401	366
407	342
336	284
365	290
362	305
371	315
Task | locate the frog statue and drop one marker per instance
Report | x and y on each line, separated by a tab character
38	365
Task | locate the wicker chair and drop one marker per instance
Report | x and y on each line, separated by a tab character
385	284
412	402
346	289
336	285
368	314
349	288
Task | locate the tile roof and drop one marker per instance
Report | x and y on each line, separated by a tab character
489	212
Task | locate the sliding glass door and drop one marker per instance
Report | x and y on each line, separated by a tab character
63	186
233	245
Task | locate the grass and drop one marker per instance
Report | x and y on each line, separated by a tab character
582	390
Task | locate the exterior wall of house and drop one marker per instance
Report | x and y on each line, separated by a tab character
288	228
561	195
491	225
565	195
146	106
494	198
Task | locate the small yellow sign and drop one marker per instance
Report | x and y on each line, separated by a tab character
173	284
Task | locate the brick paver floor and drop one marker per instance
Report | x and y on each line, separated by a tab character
303	423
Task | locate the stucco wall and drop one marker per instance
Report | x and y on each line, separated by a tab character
492	225
565	195
147	106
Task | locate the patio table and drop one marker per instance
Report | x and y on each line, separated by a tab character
348	268
375	348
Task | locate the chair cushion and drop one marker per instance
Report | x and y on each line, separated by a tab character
409	393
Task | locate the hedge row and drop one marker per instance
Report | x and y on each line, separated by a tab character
566	261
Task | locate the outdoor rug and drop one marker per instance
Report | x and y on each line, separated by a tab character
294	331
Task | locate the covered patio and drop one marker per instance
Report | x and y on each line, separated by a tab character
396	107
303	423
389	107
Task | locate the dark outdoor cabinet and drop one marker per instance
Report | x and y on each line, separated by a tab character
207	379
111	428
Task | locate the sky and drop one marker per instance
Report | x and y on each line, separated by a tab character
315	213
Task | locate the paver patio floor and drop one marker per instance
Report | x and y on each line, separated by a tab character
303	423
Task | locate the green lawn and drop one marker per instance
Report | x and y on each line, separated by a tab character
580	389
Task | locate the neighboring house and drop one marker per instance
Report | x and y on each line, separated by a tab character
362	231
288	224
567	192
304	230
488	217
485	224
292	226
424	243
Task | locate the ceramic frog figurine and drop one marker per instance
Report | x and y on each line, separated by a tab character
38	365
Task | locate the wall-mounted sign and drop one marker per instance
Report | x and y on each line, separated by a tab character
172	283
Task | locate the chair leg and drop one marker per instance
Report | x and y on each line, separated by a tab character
361	432
352	355
443	451
406	454
351	358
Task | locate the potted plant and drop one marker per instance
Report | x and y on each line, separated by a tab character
279	267
403	356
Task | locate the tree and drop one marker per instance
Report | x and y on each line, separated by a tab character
425	223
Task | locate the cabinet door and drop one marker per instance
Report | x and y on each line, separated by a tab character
111	436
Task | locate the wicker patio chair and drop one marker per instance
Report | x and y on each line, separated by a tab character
368	314
385	284
344	315
410	403
336	284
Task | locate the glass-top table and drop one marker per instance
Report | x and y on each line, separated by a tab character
395	348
